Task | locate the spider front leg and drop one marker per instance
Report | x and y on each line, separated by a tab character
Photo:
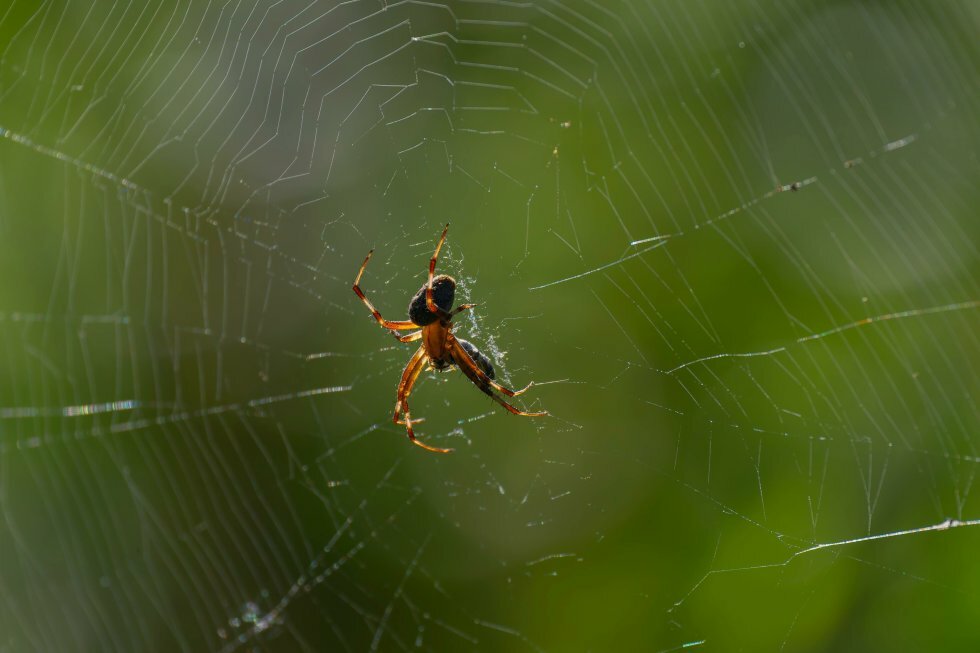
516	411
464	360
411	373
394	325
411	434
472	371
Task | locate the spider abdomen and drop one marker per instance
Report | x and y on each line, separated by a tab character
443	294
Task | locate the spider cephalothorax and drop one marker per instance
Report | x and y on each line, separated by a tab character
431	312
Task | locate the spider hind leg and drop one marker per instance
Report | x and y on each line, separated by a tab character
394	325
430	300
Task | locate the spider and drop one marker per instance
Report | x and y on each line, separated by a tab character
430	311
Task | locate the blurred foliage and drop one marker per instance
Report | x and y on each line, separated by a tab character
194	418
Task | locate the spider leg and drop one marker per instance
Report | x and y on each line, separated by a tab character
429	303
401	422
411	434
464	360
395	325
516	411
471	373
409	338
461	308
412	370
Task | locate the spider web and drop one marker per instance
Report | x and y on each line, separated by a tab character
735	248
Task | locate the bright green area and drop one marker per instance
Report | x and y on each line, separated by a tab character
195	409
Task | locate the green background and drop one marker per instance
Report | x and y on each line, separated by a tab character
196	450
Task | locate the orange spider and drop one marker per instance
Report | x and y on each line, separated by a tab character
430	311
